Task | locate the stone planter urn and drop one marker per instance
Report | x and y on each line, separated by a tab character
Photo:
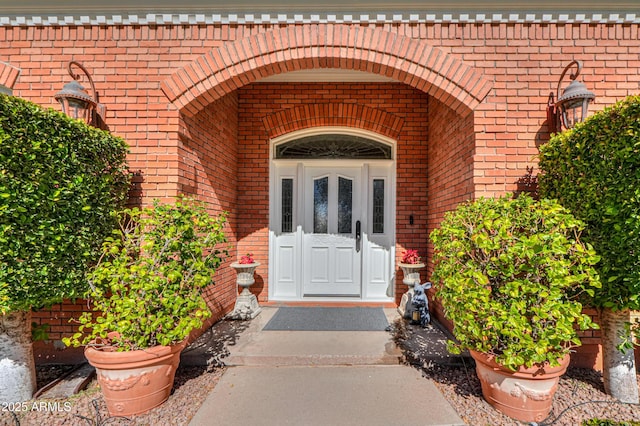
246	304
411	273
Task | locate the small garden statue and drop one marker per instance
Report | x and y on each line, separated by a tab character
421	303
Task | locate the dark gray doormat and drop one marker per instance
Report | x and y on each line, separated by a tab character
328	319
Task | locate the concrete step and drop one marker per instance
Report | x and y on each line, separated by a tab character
274	348
257	347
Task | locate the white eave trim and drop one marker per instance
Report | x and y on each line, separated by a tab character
285	18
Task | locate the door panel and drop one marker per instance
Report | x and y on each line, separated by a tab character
378	247
331	263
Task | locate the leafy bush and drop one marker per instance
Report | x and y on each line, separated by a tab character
594	170
147	285
508	273
60	182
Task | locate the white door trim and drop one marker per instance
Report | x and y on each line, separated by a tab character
378	283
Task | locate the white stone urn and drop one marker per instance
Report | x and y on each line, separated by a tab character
246	304
411	273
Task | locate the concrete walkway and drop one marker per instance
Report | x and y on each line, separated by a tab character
315	378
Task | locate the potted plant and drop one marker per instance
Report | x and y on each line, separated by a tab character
146	296
411	264
509	274
246	306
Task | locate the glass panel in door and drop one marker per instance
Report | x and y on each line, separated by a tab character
321	205
345	205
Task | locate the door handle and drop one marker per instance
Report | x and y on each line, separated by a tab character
358	236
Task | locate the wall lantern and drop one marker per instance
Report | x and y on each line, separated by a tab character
79	104
572	106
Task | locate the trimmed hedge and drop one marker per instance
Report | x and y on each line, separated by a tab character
594	170
60	183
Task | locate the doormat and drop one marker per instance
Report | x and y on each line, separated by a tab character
328	319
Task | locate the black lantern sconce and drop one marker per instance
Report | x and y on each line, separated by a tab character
79	104
572	106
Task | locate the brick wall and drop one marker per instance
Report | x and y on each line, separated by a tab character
450	169
208	170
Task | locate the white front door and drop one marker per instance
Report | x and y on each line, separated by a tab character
332	232
318	203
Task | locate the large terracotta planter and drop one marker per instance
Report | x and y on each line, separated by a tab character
525	394
134	382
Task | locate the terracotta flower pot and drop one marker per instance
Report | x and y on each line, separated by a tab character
525	394
134	382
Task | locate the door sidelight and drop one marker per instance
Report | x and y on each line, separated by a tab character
358	236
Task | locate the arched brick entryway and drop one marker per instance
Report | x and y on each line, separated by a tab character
368	49
425	106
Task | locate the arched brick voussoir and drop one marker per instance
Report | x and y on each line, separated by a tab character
410	61
333	114
8	74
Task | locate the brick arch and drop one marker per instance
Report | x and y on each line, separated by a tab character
8	75
334	114
411	61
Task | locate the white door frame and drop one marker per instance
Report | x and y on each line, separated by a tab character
377	276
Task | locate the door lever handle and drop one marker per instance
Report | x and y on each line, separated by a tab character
358	236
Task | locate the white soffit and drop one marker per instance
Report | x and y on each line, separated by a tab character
325	75
270	12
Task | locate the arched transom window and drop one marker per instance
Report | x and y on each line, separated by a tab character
333	146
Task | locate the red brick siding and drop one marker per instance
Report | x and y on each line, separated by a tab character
450	168
208	171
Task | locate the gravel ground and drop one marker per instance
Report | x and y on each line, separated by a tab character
192	385
580	396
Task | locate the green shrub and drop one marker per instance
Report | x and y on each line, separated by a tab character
60	182
147	286
508	273
594	170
